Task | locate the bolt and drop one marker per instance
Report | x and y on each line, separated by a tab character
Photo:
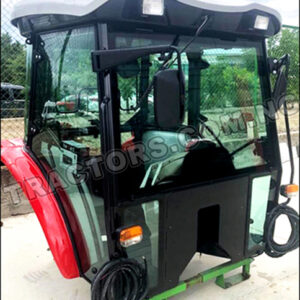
94	270
116	255
106	99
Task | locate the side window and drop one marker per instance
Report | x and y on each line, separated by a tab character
67	138
67	94
231	99
259	204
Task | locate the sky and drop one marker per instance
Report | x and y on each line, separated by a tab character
289	10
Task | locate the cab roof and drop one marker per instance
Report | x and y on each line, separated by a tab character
36	15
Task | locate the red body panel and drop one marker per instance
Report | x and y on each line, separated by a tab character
36	188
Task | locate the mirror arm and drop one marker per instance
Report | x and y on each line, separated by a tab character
275	68
286	62
275	65
289	142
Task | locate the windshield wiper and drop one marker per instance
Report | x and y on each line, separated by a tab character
202	120
243	147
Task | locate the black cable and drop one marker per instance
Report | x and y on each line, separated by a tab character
199	30
122	279
274	249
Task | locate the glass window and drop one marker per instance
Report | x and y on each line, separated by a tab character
67	135
231	99
223	129
259	203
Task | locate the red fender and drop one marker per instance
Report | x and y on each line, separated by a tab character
38	191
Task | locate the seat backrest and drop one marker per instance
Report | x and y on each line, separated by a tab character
160	145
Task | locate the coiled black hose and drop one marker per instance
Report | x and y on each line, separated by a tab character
122	279
274	249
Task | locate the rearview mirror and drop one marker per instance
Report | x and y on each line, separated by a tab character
280	67
168	98
280	88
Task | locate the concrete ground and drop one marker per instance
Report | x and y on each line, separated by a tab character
29	272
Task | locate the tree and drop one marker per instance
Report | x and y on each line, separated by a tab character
13	61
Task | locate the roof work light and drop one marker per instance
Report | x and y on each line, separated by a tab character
153	7
261	22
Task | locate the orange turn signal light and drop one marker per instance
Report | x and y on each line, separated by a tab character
289	190
131	236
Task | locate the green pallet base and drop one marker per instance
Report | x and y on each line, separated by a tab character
214	273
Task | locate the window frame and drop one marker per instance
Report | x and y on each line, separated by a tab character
32	130
273	153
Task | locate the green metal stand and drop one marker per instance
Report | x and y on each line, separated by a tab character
217	273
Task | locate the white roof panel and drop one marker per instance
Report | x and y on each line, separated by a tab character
216	6
61	7
83	7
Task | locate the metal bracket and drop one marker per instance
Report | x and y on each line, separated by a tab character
214	273
28	41
36	56
228	282
95	61
275	64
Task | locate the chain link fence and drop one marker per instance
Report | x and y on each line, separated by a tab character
242	84
13	76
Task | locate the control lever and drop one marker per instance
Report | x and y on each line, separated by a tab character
202	118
